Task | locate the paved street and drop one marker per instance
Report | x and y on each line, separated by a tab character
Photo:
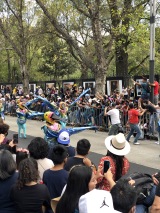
143	158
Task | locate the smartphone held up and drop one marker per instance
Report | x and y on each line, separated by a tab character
15	138
106	166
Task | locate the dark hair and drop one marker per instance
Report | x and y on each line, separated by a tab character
20	156
131	105
7	164
83	147
4	128
124	196
144	78
77	185
59	154
28	171
38	148
119	163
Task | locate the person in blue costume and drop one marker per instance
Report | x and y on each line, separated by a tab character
23	113
21	119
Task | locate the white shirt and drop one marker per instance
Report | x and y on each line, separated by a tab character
44	164
114	114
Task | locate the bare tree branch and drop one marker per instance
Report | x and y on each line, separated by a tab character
10	8
9	39
136	67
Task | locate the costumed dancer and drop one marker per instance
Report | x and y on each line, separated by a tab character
53	124
21	119
63	109
2	109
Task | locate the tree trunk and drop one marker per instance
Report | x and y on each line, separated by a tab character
25	76
84	72
122	65
100	82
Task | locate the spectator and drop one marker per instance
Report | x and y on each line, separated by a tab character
124	197
39	150
115	119
80	181
64	139
8	177
96	201
56	177
4	128
133	121
21	154
145	88
153	116
83	147
117	147
155	84
27	194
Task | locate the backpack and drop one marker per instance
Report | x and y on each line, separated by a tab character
143	185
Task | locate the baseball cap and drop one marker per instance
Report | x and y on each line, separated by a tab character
63	137
96	201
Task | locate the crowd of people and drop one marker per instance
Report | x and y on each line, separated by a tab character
63	179
90	109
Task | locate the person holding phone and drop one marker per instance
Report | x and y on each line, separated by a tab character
115	159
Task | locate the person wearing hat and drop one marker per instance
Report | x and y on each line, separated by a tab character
96	201
64	139
117	147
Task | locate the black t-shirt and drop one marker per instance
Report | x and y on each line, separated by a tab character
55	181
30	199
151	109
71	151
158	190
73	161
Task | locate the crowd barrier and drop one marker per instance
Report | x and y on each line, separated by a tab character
80	116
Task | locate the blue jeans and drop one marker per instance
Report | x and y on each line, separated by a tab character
152	121
141	209
134	128
147	202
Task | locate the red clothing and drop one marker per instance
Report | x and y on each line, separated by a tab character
156	88
103	183
133	116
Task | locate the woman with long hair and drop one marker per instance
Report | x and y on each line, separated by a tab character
27	194
117	148
8	177
80	181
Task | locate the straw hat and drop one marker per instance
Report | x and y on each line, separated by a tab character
117	144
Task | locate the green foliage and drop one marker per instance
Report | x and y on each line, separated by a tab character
56	60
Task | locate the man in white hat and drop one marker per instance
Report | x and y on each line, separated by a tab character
96	201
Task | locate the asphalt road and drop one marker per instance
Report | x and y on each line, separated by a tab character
143	158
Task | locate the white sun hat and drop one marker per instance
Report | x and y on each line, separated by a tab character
117	144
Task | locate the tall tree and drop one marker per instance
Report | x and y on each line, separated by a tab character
99	63
126	17
18	29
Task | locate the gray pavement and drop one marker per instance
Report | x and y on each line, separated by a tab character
143	157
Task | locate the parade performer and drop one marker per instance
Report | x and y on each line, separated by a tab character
23	113
53	124
21	119
63	109
2	109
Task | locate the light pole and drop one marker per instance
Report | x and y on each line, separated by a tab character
152	45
